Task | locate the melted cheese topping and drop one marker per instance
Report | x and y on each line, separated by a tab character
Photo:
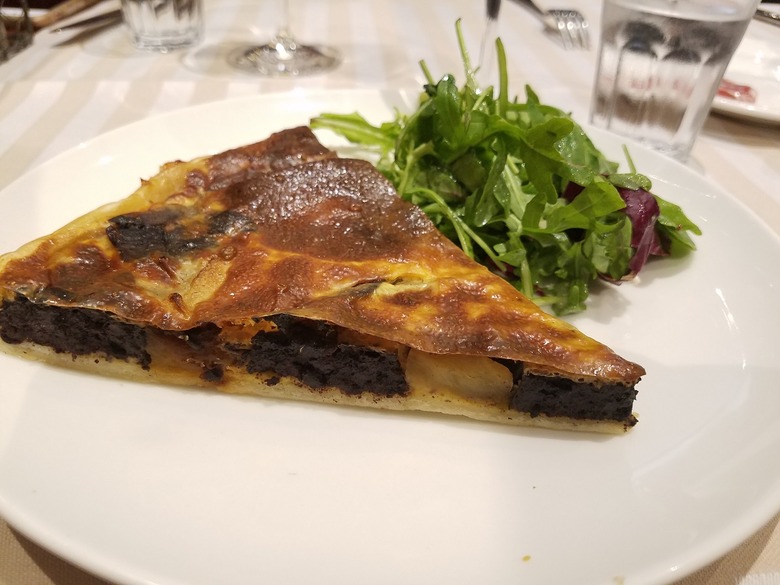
284	227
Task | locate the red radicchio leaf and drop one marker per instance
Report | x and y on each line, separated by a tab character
571	191
642	209
735	91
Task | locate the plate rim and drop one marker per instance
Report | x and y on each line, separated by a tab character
37	532
753	112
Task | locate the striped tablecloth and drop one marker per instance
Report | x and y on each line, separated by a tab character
72	86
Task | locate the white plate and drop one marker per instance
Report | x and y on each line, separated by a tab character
145	484
756	63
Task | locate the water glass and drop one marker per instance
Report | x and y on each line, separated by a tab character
660	64
16	29
164	25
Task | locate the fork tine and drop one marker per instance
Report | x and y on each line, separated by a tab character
562	23
582	29
574	24
565	30
572	28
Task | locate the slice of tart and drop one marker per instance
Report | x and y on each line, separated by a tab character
278	269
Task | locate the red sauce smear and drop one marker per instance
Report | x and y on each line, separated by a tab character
741	93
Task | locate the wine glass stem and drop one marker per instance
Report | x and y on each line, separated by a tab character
283	55
284	32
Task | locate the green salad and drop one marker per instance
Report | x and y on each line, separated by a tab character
520	187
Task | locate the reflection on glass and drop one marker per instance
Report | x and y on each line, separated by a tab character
283	55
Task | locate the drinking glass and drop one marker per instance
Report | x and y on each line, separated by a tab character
16	29
660	65
164	25
284	55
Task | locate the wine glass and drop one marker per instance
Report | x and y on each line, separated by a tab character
283	55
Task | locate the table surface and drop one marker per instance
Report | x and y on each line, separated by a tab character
69	87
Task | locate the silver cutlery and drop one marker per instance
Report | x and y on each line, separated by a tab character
110	17
767	16
61	11
569	24
17	31
493	8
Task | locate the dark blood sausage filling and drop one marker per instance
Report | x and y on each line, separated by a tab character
551	396
302	348
560	397
75	331
305	349
309	351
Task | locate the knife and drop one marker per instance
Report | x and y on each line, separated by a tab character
106	18
61	11
767	16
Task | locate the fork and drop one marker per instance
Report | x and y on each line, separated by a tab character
570	24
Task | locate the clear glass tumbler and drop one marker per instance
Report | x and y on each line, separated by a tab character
16	29
660	64
164	25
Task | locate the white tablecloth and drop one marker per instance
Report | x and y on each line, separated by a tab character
72	86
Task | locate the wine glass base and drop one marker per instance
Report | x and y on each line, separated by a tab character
274	60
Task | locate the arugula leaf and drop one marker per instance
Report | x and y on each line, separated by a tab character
520	187
673	227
